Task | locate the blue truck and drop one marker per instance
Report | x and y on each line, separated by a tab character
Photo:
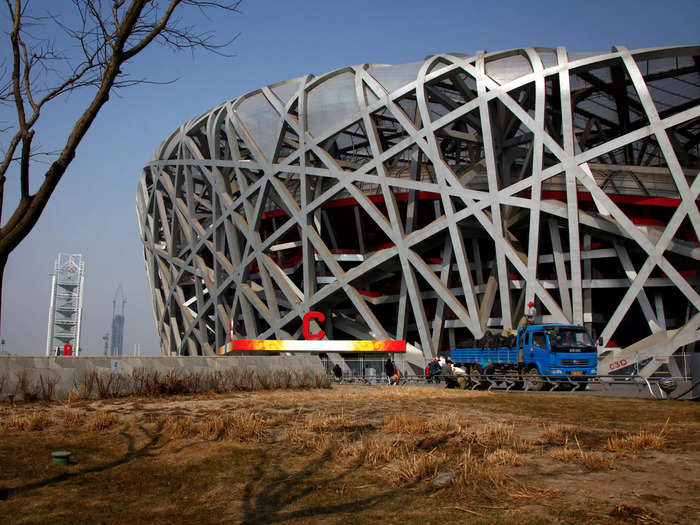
539	356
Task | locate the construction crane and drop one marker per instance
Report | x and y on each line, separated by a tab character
117	338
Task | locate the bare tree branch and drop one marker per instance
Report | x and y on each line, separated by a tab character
107	37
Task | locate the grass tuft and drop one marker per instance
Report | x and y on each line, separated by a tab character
505	457
73	418
588	459
34	421
413	468
102	420
405	424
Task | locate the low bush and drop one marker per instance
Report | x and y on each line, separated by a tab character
150	383
26	388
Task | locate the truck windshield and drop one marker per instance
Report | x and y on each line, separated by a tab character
571	338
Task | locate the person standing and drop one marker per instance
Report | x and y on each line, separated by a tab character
529	317
388	367
394	374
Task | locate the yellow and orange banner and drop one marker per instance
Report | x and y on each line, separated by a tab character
321	345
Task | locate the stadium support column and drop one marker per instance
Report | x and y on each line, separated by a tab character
587	285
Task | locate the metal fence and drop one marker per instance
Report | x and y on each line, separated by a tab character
370	370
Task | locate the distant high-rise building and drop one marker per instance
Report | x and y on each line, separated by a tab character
66	306
117	339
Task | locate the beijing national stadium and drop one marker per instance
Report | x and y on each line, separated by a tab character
433	201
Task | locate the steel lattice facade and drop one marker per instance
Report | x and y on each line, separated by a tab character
431	201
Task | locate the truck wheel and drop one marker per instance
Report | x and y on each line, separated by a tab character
513	378
533	380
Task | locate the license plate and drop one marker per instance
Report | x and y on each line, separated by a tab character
577	373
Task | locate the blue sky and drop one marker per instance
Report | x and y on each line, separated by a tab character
93	209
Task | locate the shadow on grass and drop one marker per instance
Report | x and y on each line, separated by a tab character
273	489
131	454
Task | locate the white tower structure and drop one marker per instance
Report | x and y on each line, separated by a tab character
66	306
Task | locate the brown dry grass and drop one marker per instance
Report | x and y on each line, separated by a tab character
102	420
405	424
34	421
642	440
590	459
350	455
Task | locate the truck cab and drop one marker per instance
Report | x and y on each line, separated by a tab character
557	351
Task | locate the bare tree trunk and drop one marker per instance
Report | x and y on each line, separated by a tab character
109	37
3	262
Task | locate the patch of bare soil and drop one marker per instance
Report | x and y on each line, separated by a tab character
353	454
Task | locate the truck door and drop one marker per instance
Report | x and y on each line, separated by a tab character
539	348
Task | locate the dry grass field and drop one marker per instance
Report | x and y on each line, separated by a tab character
352	454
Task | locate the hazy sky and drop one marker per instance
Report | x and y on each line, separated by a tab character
93	209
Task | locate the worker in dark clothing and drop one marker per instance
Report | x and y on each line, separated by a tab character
388	367
448	375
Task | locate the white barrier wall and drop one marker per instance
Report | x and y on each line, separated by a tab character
66	371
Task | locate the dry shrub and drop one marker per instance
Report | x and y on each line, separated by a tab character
143	382
84	384
102	420
34	421
414	467
39	421
73	418
282	378
25	387
405	424
503	456
246	380
179	426
265	379
3	378
322	381
174	383
309	379
109	384
47	387
246	426
213	427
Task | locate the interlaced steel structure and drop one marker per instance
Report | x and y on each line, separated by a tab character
431	201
